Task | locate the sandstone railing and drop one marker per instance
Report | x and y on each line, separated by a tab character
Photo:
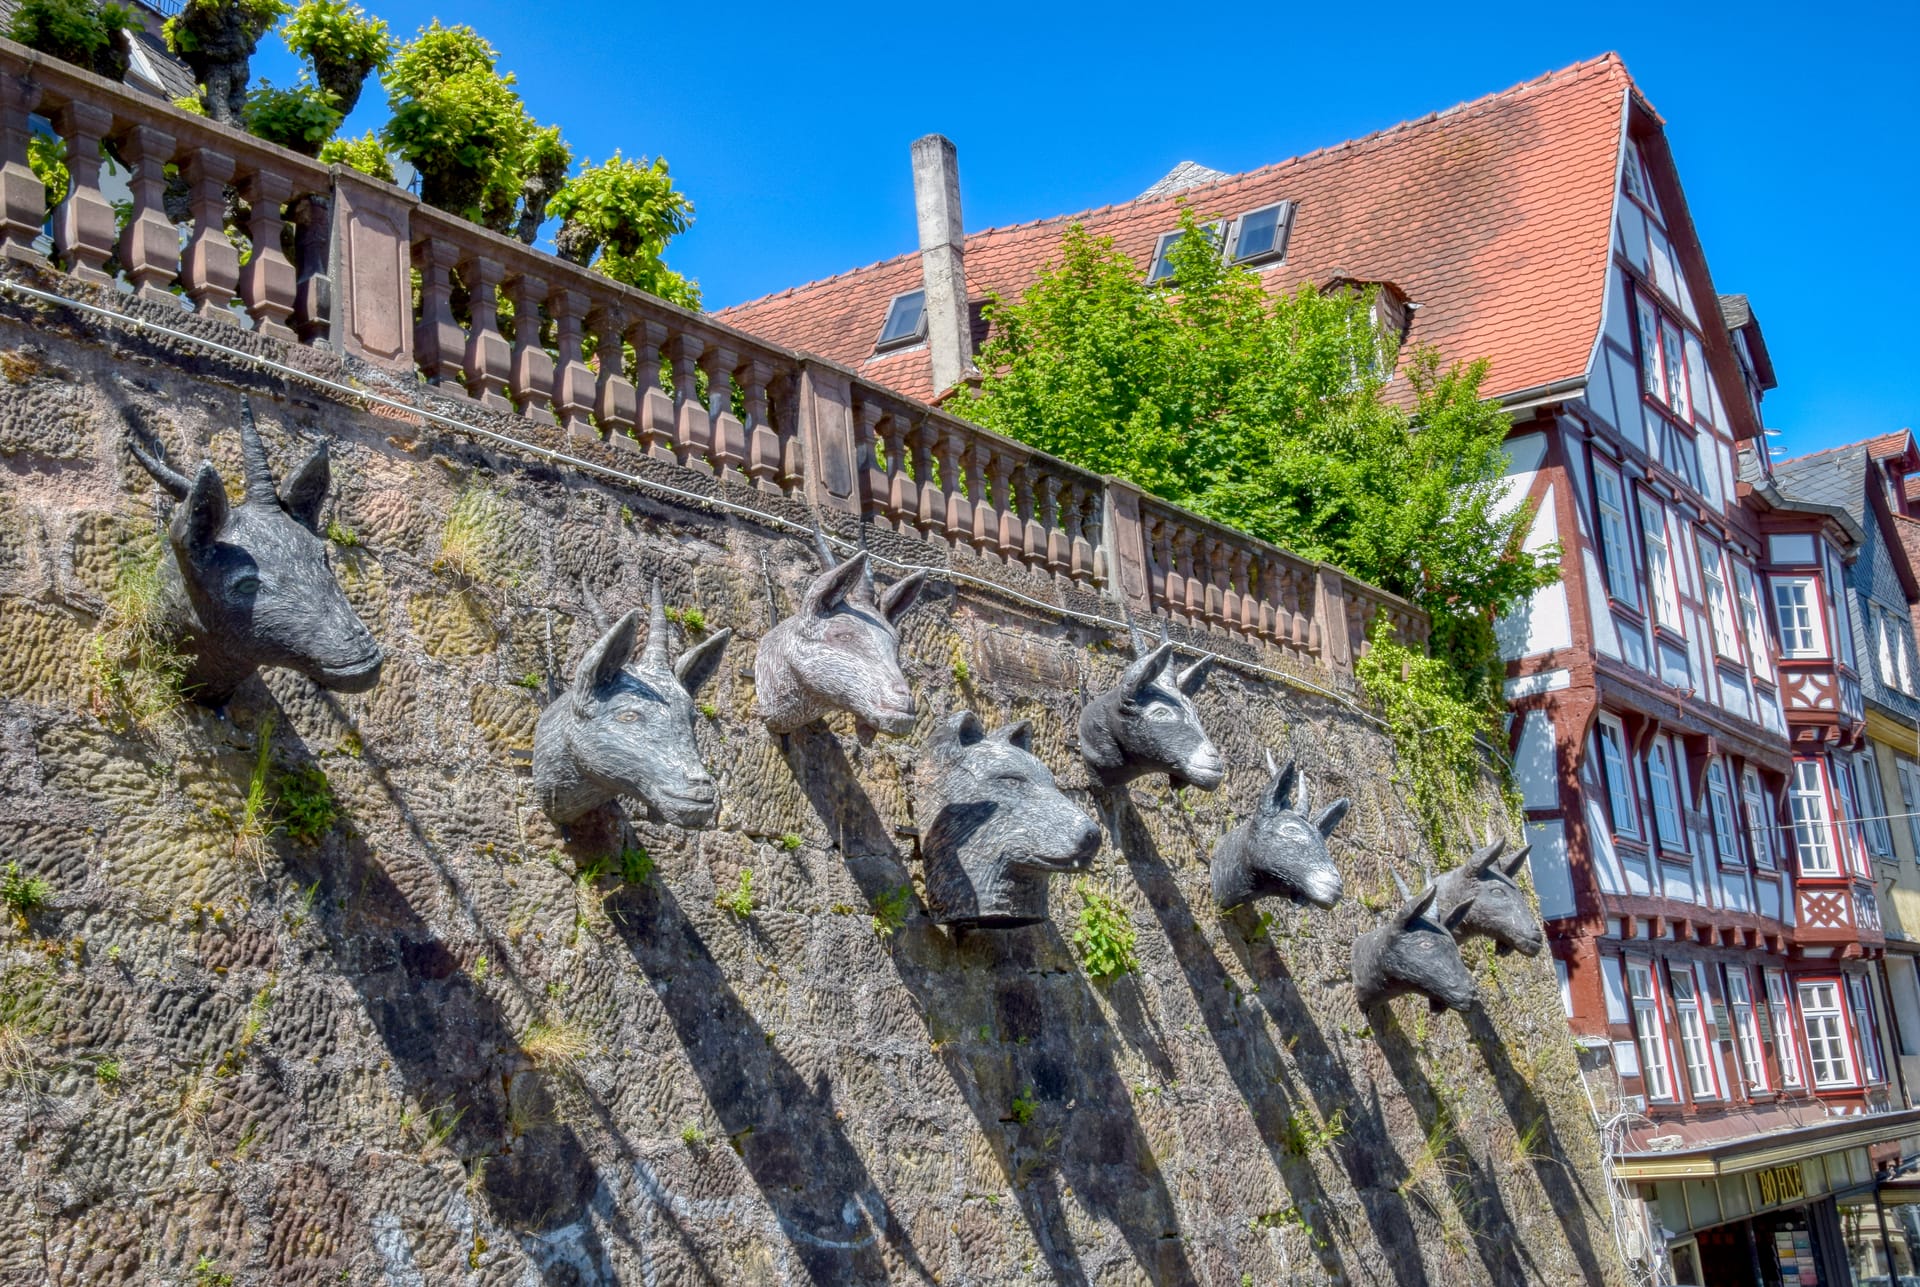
311	254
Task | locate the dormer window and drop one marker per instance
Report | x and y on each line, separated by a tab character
1163	252
1261	235
906	321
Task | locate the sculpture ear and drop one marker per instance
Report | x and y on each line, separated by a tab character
830	589
1280	793
957	732
601	666
302	494
1459	913
1019	733
1329	818
1422	901
697	664
204	513
901	596
1138	677
1194	677
1515	863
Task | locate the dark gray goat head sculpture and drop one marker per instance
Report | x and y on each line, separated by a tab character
839	652
1414	952
1496	906
249	584
1147	723
1279	850
629	732
1002	828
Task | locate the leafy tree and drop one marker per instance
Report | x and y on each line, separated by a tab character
342	44
624	212
301	118
458	121
216	38
83	32
366	154
1271	415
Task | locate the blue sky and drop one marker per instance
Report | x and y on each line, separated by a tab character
789	126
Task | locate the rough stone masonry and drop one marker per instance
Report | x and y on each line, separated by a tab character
442	1042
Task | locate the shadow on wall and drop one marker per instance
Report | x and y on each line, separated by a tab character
1272	1095
1081	1133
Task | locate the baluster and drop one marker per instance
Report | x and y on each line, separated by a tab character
1058	550
311	215
1081	567
1191	593
489	360
729	435
1007	539
614	403
655	414
1033	537
267	282
985	533
213	265
763	440
932	515
954	483
150	244
83	226
572	382
1245	614
1176	581
439	347
23	198
1214	579
1096	529
793	461
1154	530
532	364
874	488
692	432
902	500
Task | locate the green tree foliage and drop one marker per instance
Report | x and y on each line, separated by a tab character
216	38
617	217
366	154
302	118
342	44
1271	415
85	33
458	121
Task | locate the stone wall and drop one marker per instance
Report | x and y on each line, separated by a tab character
427	1049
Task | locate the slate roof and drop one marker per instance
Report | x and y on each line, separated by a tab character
1837	475
1493	216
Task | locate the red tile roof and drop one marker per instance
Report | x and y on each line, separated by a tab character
1493	216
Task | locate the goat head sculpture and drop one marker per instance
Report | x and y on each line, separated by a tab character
1279	850
839	652
1414	952
1495	905
249	585
1002	827
629	732
1147	723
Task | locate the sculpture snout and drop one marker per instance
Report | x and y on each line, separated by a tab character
355	676
1322	888
695	803
893	708
1205	768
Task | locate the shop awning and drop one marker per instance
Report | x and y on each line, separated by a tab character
1757	1152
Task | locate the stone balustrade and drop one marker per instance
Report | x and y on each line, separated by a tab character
306	253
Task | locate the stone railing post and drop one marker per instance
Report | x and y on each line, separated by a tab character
370	262
268	281
439	346
488	358
83	226
1126	544
1330	616
23	198
150	244
826	438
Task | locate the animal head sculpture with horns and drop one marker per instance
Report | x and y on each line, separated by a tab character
1495	905
1147	723
839	652
249	584
629	732
1279	850
1415	952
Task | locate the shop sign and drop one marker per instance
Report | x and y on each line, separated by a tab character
1780	1184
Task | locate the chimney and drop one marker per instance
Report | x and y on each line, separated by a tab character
936	203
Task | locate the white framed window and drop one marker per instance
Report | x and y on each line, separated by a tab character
906	321
1720	808
1826	1028
1619	780
1663	356
1664	784
1865	1031
1883	644
1746	1029
1812	823
1615	550
1873	804
1649	1029
1893	640
1761	830
1780	1010
1846	794
1759	651
1713	571
1694	1051
1661	578
1796	612
1907	773
1261	234
1674	349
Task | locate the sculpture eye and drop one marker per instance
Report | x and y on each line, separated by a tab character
1160	712
245	583
627	717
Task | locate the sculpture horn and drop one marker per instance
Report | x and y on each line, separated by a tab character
152	456
253	456
1272	768
655	657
